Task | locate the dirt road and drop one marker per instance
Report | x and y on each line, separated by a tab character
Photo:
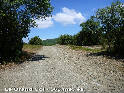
57	69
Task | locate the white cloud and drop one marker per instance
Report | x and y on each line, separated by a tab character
69	16
44	23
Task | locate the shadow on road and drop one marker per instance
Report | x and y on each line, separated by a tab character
38	57
108	55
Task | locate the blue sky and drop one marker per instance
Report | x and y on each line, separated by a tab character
66	17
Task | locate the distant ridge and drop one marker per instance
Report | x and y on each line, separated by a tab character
49	42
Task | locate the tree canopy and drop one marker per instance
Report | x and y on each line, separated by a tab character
65	39
112	24
90	32
35	41
17	17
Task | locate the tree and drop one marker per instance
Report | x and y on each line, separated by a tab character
35	41
17	17
90	34
112	22
65	40
75	39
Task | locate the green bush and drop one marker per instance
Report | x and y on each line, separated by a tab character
35	41
65	40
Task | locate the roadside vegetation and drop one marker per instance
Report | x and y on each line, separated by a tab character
35	41
88	49
28	51
17	17
31	48
106	28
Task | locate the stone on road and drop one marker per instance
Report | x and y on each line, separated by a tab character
58	69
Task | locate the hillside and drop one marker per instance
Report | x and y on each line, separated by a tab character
50	42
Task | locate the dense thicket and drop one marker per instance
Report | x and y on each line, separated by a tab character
16	19
35	41
90	33
112	24
106	28
65	39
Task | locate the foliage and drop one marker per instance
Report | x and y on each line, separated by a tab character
49	42
17	17
90	34
85	49
35	41
65	40
112	22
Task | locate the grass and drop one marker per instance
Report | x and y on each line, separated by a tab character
27	52
85	49
31	48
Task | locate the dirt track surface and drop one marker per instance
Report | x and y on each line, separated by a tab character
58	69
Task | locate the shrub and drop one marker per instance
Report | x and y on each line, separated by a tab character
35	41
65	40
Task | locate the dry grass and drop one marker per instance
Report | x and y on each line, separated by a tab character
28	52
31	48
88	49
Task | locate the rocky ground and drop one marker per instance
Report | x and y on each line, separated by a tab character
58	69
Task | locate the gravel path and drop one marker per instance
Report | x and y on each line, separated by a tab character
58	69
